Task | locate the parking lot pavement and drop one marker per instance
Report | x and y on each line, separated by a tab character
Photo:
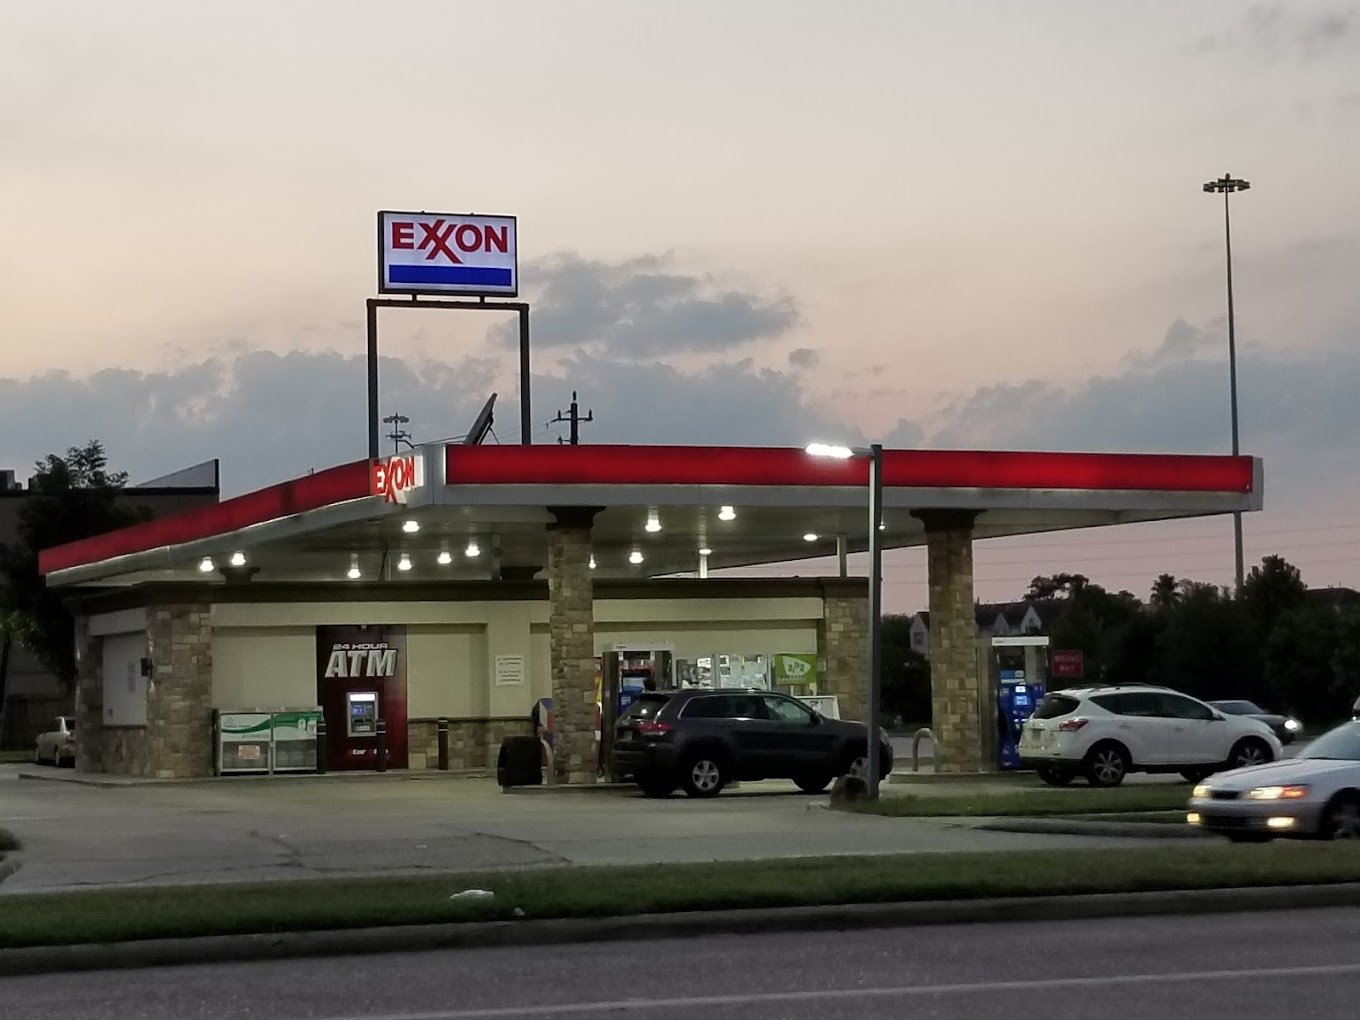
230	830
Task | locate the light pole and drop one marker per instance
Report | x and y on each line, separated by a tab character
874	454
1227	184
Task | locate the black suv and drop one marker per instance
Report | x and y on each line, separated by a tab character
703	739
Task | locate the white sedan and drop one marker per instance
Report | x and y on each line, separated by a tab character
1313	795
57	744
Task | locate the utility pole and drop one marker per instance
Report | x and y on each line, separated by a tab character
574	418
398	435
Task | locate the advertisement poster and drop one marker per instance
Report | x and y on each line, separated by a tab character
796	669
354	663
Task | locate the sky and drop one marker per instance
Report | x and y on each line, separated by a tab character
931	224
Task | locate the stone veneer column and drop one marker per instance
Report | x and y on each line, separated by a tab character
956	689
89	698
571	637
179	730
843	645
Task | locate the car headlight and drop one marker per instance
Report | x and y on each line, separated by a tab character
1277	793
1200	791
1293	725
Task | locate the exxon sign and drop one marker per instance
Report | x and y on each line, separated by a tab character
447	253
394	478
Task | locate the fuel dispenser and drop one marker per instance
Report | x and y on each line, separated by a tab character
625	672
1017	668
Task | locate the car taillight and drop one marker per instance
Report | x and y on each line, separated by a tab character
653	729
1072	725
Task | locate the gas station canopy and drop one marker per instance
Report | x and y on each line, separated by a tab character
468	512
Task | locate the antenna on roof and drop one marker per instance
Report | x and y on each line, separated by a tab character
482	425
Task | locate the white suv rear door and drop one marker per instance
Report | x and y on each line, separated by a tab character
1198	737
1139	724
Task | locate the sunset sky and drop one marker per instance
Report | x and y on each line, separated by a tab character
935	224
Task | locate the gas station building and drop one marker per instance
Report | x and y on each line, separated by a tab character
464	583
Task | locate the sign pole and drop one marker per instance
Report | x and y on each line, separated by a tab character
524	415
372	379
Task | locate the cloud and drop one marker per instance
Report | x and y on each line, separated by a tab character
1289	31
641	309
272	416
804	357
1297	409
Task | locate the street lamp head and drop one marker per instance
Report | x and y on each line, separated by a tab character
832	450
1227	184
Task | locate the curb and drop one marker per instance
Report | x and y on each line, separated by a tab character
500	934
138	782
1079	827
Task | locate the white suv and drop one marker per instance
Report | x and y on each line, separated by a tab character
1104	733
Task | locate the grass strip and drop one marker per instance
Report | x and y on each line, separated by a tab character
1079	800
328	904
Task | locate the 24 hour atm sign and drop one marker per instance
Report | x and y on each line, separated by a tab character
447	253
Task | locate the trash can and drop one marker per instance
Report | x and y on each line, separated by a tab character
519	763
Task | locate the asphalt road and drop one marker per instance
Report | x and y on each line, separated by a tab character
1300	963
76	835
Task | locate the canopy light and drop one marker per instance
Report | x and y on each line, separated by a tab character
410	527
404	563
206	565
811	536
592	561
354	572
727	514
705	551
472	551
445	558
238	559
653	523
635	557
829	450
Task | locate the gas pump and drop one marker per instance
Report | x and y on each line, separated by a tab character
625	672
1018	671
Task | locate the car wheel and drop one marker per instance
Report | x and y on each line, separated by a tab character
1107	764
1054	775
812	784
1341	820
703	775
1248	752
1196	775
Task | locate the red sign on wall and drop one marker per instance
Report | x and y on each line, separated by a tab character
1067	665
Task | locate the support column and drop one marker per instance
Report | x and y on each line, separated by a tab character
956	688
843	645
89	698
571	636
179	730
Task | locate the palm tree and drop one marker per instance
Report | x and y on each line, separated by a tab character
1166	592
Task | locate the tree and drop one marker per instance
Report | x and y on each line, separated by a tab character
72	497
906	674
1271	590
1043	588
1302	653
1166	592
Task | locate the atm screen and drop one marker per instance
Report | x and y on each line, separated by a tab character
1021	700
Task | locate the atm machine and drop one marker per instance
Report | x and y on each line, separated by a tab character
361	724
1017	671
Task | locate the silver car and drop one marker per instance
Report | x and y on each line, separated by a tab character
1314	795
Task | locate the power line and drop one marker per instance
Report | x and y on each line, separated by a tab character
573	416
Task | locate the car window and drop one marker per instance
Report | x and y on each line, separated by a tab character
1342	743
711	707
744	706
1136	703
787	710
646	706
1055	705
1177	707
